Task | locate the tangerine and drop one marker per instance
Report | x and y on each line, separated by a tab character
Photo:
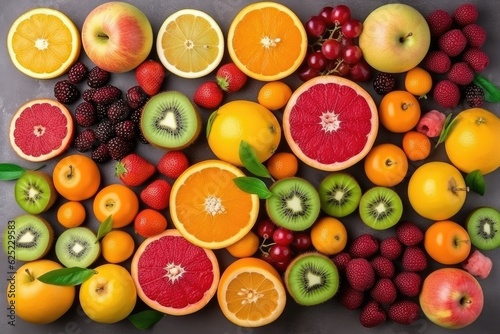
118	201
283	164
246	246
274	95
416	145
329	235
71	214
418	82
386	165
149	222
76	177
117	246
399	111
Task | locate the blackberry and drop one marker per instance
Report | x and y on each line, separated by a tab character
77	73
126	129
136	97
100	154
119	147
136	116
85	140
101	111
65	92
85	114
142	139
88	94
98	77
384	83
118	111
106	94
105	130
474	96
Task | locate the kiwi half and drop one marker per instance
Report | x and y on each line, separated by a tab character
169	120
339	194
380	208
311	279
28	237
483	226
34	192
77	247
294	204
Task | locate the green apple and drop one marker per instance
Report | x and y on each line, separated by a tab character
395	38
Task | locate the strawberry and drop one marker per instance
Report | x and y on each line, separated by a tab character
208	95
156	195
173	163
133	170
230	78
149	76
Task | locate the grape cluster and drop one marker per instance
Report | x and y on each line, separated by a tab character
333	48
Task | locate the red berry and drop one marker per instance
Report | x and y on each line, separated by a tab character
461	73
437	61
208	95
280	253
478	264
302	241
384	291
372	315
408	283
431	123
341	260
452	42
383	267
409	233
150	75
173	163
265	228
230	78
439	22
446	94
404	312
475	35
283	236
391	248
351	299
364	246
156	195
465	14
360	274
477	59
414	259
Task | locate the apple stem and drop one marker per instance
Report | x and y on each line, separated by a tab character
461	189
70	171
402	39
389	162
405	105
465	300
30	274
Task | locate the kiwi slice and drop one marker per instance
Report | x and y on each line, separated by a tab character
294	204
77	247
34	192
339	194
311	279
483	226
169	120
28	237
380	208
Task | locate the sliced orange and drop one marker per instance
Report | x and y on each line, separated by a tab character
190	43
251	293
267	41
43	43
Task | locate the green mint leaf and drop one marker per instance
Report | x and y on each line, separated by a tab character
10	171
67	276
491	91
106	226
253	185
447	126
145	319
250	161
475	181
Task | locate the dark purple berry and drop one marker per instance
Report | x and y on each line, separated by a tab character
105	130
474	96
85	140
126	129
65	92
85	114
384	83
77	73
98	77
118	111
136	97
119	147
100	154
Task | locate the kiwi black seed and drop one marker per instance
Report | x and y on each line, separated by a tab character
311	279
340	194
169	120
294	203
483	226
34	192
77	247
28	237
380	208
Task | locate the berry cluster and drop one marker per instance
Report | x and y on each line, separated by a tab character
333	48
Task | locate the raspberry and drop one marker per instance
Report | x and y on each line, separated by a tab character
408	283
104	131
391	248
431	123
474	96
173	163
351	299
461	73
465	14
439	22
437	61
476	58
98	77
100	154
65	92
372	315
77	73
452	42
360	274
118	111
119	147
88	94
85	114
475	35
341	260
364	246
126	129
384	83
414	259
85	140
383	267
409	234
384	291
446	94
106	94
135	97
477	264
404	312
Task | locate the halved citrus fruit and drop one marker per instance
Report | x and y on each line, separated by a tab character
267	41
251	293
208	208
43	43
41	129
174	276
190	43
330	123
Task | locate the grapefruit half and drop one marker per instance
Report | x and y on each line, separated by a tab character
174	276
330	123
41	129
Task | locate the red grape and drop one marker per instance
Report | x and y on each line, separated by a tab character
302	241
316	61
325	14
331	49
306	73
352	54
283	236
340	14
315	26
352	28
280	253
345	41
360	71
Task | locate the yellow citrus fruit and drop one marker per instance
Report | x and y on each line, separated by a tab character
416	145
472	143
274	95
43	43
246	246
251	293
242	120
418	81
71	214
190	43
329	235
267	41
282	164
117	246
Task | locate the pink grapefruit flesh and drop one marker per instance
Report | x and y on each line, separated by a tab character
41	129
174	276
330	123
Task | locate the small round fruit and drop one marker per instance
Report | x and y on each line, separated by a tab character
246	246
149	222
386	165
418	82
283	236
399	111
447	242
71	214
416	145
118	201
282	164
329	235
274	95
266	228
301	241
117	246
76	177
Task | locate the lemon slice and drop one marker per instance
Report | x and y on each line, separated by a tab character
190	43
43	43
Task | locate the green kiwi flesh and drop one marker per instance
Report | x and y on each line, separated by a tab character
340	194
311	279
169	120
34	192
295	203
380	208
28	237
77	247
483	226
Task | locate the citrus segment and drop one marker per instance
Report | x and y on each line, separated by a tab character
267	41
174	276
43	43
208	208
330	123
190	43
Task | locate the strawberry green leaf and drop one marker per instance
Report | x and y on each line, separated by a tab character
253	185
250	161
67	276
145	319
491	91
10	171
447	127
104	228
475	181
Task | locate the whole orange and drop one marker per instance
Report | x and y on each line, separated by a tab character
386	165
416	145
117	246
71	214
399	111
76	177
149	222
328	235
118	201
418	81
447	242
282	164
274	95
246	246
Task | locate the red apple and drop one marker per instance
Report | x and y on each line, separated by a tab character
451	298
117	36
